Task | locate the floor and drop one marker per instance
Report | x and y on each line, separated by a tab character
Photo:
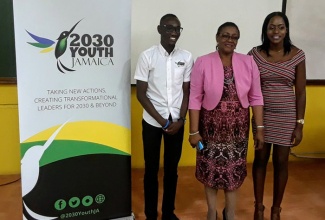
304	198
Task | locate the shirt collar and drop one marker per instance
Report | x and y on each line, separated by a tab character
164	52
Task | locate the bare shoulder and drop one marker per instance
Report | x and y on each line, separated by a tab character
294	50
260	50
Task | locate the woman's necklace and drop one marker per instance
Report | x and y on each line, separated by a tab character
229	81
229	77
277	51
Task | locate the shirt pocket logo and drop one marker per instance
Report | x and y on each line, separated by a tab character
180	63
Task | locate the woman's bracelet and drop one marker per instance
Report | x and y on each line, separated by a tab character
260	126
166	125
194	133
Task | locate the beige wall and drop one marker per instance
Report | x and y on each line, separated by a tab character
9	133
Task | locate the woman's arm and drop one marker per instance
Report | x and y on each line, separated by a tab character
195	102
300	91
195	136
258	117
255	98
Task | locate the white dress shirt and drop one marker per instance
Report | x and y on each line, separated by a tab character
165	74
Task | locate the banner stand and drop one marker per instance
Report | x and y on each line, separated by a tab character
73	80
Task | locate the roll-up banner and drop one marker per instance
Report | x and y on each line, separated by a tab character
73	73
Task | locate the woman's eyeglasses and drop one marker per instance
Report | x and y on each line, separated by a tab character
171	28
228	37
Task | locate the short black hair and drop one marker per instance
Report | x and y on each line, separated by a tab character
167	16
287	44
228	24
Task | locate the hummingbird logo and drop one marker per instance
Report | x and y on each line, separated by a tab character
30	172
60	47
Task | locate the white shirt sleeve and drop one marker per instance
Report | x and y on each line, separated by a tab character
142	68
188	68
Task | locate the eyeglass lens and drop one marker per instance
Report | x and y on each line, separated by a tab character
170	29
228	37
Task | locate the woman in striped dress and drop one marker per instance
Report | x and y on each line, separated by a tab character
283	82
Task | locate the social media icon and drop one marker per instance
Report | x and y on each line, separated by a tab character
60	204
100	198
74	202
87	200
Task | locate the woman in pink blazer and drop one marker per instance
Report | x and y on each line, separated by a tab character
224	84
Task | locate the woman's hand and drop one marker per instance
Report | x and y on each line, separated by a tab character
259	139
194	139
296	135
259	136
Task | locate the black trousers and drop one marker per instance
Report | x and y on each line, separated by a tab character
172	152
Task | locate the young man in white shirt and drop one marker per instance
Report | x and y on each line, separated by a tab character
163	75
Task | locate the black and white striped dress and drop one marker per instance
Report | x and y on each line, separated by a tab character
277	81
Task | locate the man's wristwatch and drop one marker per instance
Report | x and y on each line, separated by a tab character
301	121
182	119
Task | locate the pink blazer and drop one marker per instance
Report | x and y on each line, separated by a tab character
207	79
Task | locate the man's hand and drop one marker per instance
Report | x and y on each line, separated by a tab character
174	127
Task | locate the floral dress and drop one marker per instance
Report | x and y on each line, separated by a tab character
224	130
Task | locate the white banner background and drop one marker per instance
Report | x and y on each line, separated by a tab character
37	72
94	100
